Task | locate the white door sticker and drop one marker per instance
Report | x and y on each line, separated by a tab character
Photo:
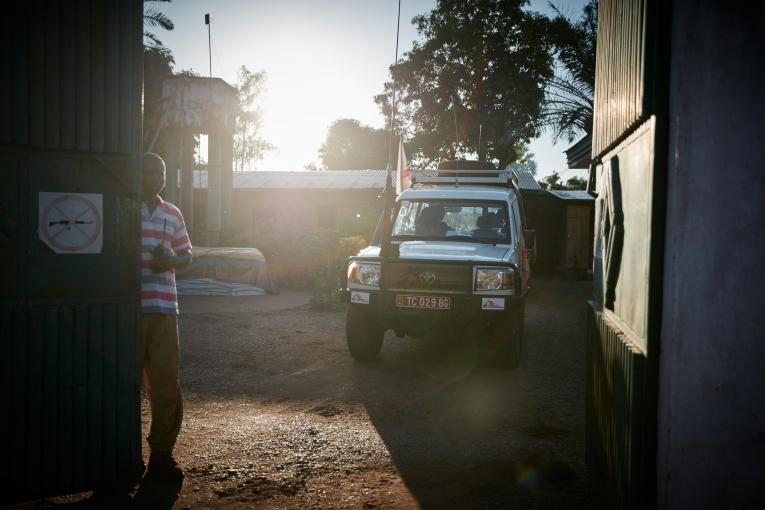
71	222
492	303
360	297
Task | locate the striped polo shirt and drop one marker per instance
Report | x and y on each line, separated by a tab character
164	226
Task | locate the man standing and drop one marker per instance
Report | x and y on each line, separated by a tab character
165	247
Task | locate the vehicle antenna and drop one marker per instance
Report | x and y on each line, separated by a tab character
480	132
393	95
385	244
456	133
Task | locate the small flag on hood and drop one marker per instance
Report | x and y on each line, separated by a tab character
403	174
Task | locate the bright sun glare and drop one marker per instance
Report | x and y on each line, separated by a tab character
299	107
323	60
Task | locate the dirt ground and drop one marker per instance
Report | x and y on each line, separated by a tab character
277	414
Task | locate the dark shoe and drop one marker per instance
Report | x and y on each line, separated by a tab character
162	466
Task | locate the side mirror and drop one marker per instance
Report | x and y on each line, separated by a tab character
530	240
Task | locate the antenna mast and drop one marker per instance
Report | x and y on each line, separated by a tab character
209	41
393	99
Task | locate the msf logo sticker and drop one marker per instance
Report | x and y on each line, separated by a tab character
492	303
360	297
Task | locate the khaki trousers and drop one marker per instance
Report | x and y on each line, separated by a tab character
160	352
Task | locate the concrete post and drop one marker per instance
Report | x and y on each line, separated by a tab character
171	162
214	188
187	179
227	179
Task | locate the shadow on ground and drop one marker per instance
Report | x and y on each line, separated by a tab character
463	434
148	493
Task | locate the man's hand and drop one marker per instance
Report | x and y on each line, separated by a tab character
165	259
162	264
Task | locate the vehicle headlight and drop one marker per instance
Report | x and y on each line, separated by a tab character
494	278
364	273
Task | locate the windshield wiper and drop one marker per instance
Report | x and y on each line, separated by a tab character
460	238
471	239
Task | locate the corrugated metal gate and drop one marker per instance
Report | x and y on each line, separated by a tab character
70	124
629	148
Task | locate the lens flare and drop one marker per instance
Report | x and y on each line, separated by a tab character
527	478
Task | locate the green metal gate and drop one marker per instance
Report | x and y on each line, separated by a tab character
70	136
629	169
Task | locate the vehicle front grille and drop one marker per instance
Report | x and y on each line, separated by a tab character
427	277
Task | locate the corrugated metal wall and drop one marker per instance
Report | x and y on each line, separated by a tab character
69	398
616	401
622	91
70	122
629	139
64	84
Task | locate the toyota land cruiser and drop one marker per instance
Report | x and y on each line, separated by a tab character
457	256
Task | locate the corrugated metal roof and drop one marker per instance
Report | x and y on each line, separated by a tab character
337	179
321	179
526	180
579	155
334	179
424	172
575	194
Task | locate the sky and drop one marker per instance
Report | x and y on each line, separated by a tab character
324	60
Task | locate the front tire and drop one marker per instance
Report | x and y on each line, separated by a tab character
509	336
363	337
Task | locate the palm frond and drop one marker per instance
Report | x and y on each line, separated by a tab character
153	39
153	17
568	106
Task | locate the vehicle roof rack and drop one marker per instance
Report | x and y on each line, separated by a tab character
450	166
503	181
456	172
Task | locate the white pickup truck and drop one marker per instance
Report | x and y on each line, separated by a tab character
457	256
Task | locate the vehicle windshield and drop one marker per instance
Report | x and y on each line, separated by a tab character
464	220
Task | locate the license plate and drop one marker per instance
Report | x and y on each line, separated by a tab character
432	303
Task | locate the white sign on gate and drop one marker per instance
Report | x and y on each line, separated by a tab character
71	222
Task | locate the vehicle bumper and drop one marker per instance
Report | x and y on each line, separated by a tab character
465	310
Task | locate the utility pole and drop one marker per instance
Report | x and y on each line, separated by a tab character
209	44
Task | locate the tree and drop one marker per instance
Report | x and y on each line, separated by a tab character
579	183
569	93
485	62
158	64
553	182
352	146
154	18
248	145
525	164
